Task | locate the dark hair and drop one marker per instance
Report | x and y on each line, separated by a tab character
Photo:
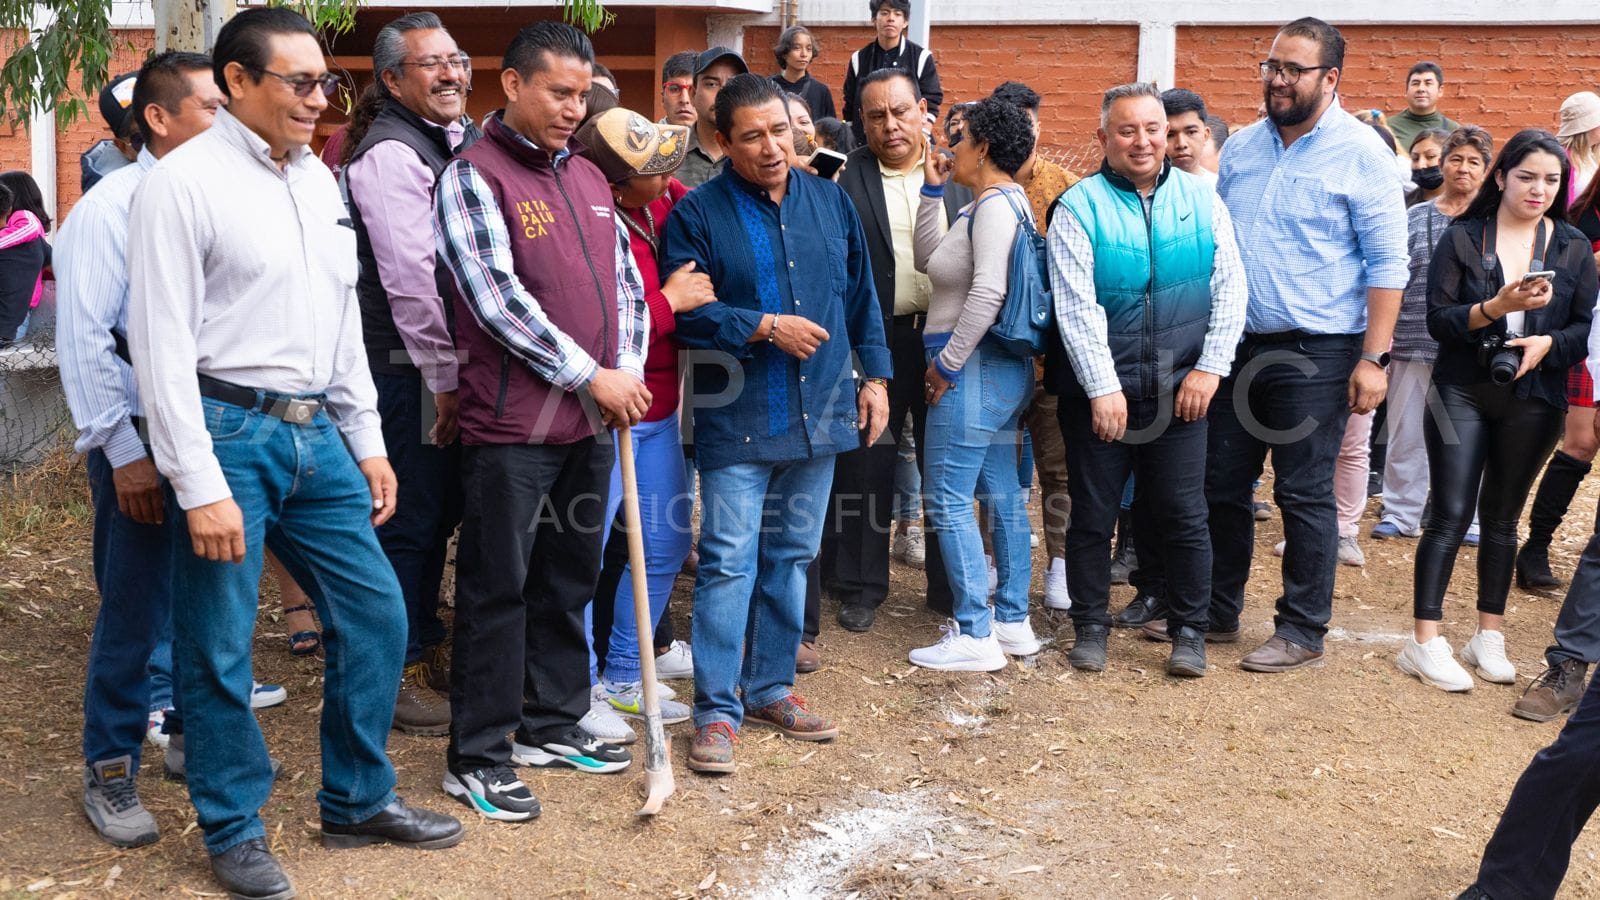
389	48
836	135
25	195
1178	101
745	90
1019	95
680	63
163	80
888	74
1438	135
1327	38
902	5
789	98
368	105
1005	128
1521	145
5	202
785	44
1469	136
246	39
1428	66
535	44
1386	135
600	70
1219	131
950	114
1585	201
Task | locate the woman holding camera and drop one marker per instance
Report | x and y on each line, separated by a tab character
1511	291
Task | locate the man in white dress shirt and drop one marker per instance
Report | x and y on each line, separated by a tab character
246	341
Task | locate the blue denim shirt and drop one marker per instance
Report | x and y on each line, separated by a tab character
805	257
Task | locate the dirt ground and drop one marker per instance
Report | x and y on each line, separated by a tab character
1351	780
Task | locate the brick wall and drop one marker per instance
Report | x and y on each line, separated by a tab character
1504	79
132	48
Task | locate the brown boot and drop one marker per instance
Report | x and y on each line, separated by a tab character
1554	694
807	660
438	657
419	709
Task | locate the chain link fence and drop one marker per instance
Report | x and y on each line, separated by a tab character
33	411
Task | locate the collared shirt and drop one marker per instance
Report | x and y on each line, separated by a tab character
471	233
1082	320
99	161
244	272
91	265
1319	223
1045	185
393	188
698	166
807	257
902	195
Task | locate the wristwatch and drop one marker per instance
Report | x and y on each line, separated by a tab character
1381	360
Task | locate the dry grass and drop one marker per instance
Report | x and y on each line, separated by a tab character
45	502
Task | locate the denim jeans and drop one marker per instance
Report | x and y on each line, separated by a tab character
1290	397
972	453
760	528
1164	452
133	574
907	480
302	495
162	683
427	506
665	511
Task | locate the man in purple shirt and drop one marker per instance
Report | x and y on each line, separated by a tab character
407	327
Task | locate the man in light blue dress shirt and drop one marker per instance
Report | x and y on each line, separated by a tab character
1321	225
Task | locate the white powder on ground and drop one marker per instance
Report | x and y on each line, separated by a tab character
816	861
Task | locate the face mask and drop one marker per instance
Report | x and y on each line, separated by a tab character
1428	179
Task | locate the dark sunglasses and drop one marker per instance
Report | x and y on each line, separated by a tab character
303	87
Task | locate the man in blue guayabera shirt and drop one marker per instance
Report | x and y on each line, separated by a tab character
786	254
1321	225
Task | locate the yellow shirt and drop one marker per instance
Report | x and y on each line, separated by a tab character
902	194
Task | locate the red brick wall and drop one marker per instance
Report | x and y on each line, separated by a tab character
1504	79
131	50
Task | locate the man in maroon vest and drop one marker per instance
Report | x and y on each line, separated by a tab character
550	332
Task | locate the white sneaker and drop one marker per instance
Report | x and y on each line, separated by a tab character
994	574
1016	638
677	662
1433	663
957	652
604	722
1277	549
1486	653
1033	540
152	732
263	696
1055	586
911	548
1350	552
628	699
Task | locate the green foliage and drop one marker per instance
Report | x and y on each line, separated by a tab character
590	15
67	38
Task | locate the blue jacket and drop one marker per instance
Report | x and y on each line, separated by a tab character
1157	303
805	257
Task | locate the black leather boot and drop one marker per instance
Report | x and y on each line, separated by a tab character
1556	489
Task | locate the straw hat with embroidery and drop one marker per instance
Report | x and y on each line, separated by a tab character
624	144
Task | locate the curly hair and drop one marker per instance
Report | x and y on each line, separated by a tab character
1469	136
1005	128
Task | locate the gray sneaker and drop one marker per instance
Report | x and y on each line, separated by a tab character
174	767
1350	552
111	801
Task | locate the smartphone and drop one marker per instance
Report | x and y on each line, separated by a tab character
826	162
1546	275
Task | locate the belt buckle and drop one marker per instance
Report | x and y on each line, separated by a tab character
300	411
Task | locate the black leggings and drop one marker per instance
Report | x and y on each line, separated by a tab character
1490	437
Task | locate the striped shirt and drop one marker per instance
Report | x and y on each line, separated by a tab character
1411	338
91	269
1319	223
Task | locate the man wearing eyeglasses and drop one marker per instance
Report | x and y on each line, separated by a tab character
408	329
1321	226
245	335
677	89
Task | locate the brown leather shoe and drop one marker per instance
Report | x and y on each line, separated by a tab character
1280	655
1553	694
438	657
1156	630
808	660
419	709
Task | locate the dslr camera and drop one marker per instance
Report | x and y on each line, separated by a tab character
1501	361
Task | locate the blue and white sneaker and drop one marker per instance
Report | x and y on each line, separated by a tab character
153	732
576	748
264	696
1470	539
1386	530
494	793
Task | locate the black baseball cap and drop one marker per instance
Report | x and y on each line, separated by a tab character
707	57
116	104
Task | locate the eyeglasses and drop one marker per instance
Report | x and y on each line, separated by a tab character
674	88
1291	73
303	87
433	63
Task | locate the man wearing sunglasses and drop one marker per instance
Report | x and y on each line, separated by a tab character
408	331
246	340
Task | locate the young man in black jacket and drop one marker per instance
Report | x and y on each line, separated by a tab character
891	50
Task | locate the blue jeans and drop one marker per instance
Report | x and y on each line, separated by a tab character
760	527
131	570
972	453
665	516
160	669
301	494
907	480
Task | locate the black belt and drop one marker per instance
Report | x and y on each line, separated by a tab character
1295	334
912	320
290	408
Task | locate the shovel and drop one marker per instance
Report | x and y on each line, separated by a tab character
658	783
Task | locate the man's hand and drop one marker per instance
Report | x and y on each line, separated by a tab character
622	398
447	424
1108	416
217	530
872	409
687	289
139	491
1368	385
1194	395
381	481
797	336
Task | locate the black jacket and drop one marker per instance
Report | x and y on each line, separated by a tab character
909	57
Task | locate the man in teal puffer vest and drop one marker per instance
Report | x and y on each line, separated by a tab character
1150	303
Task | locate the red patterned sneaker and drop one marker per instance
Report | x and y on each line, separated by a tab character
790	716
712	750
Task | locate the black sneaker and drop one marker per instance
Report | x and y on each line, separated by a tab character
1089	651
576	748
494	793
1188	657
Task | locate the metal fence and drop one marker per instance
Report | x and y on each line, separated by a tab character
33	411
